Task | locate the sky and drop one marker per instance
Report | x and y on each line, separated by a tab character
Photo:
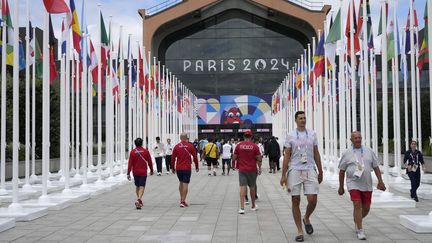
125	12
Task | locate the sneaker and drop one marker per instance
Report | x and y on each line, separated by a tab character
140	202
247	202
209	174
159	174
137	204
182	205
214	173
361	235
255	208
223	173
167	172
241	211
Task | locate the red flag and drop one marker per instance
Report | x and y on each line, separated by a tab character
141	70
53	67
348	30
56	6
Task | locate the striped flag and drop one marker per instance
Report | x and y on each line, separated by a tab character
76	30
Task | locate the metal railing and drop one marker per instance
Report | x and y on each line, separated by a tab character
162	6
314	5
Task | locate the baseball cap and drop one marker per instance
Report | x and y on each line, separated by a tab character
248	133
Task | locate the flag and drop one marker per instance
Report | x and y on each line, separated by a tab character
94	64
31	44
407	31
141	77
53	67
299	78
6	14
390	42
76	30
115	82
65	36
21	57
39	60
355	29
104	45
380	30
333	36
134	72
56	6
369	26
424	49
319	58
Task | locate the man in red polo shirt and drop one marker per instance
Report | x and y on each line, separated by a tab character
139	159
181	162
249	160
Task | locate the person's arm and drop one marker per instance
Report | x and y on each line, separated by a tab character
380	185
341	189
234	159
286	159
130	165
150	163
317	159
421	160
195	159
173	159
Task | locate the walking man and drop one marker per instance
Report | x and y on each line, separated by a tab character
413	159
358	162
168	152
158	153
249	160
139	160
273	152
181	163
301	159
210	154
226	157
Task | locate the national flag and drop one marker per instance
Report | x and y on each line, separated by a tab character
31	44
104	44
65	36
56	6
369	26
319	58
380	30
21	57
6	14
141	78
115	82
39	60
390	42
407	31
76	29
94	64
299	78
333	36
134	72
355	29
424	49
53	67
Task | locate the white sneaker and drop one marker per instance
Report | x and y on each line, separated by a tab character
255	208
159	174
167	173
247	202
361	235
241	211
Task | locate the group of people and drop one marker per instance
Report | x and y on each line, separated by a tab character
301	170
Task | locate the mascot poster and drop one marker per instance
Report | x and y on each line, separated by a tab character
234	109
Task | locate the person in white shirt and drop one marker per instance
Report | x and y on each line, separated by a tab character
301	151
226	157
158	153
168	152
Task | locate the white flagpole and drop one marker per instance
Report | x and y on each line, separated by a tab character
3	115
418	96
109	126
366	74
353	70
77	116
33	130
15	117
27	185
413	73
122	106
342	85
45	109
99	101
90	122
84	115
385	93
405	80
67	114
396	101
129	94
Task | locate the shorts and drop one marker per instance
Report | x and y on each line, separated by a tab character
211	161
226	161
365	197
140	181
274	159
248	178
184	175
306	178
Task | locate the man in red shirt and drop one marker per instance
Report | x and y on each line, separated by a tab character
248	159
139	159
181	161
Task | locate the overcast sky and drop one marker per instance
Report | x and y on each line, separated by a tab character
125	12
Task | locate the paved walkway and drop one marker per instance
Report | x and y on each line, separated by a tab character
211	217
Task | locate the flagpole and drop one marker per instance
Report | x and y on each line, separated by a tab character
90	122
84	114
129	94
66	109
405	79
122	105
385	93
33	119
342	85
396	101
99	101
413	73
27	185
3	114
429	24
366	75
63	139
353	70
418	96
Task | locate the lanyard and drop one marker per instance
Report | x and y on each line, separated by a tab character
298	136
361	154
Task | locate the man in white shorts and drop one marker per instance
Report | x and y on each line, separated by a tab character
301	152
